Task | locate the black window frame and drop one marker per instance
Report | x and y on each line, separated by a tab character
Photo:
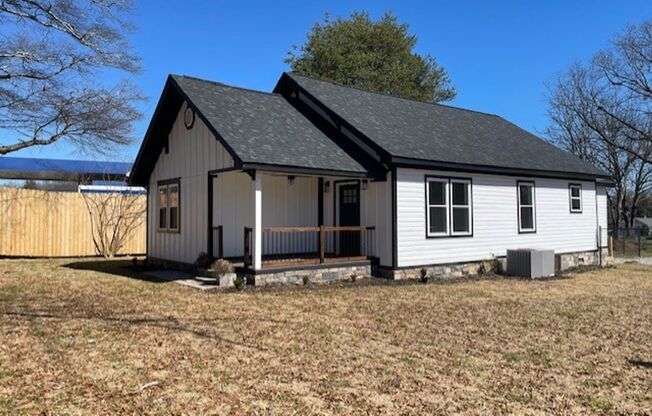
571	197
521	230
166	185
448	191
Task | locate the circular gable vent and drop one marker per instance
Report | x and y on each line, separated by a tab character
188	118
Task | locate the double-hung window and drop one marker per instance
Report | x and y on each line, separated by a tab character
461	206
437	197
575	195
168	206
526	208
448	207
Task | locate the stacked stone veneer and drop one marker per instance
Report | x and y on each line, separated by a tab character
317	275
447	271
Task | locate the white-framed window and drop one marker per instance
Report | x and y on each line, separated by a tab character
526	207
168	205
449	207
575	196
437	206
461	213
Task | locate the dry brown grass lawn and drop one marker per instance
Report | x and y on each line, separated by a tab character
86	342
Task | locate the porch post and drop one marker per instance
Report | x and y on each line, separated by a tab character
258	222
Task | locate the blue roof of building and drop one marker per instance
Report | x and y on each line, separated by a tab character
61	169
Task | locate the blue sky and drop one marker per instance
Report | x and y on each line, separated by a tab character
499	54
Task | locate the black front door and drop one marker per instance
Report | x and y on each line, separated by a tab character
349	215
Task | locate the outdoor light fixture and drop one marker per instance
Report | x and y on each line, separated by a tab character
365	183
327	187
291	180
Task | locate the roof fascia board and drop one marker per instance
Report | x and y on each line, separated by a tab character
236	159
358	138
495	170
305	171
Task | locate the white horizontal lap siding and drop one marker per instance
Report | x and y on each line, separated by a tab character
495	219
192	153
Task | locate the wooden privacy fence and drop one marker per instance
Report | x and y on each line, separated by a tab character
36	223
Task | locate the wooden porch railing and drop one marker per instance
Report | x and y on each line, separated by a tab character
317	243
217	242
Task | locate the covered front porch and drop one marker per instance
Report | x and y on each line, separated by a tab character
266	221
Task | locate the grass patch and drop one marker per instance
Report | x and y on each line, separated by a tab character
99	338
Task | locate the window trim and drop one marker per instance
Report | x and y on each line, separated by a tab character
571	197
454	233
522	230
449	206
165	184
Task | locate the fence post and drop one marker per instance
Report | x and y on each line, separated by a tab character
322	245
639	244
610	246
624	245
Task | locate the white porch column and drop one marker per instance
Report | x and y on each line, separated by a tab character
258	222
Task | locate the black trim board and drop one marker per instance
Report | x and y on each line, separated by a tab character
490	170
394	220
305	171
156	136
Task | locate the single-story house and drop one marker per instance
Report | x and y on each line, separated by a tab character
323	179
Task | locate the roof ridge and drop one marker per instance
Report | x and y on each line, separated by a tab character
389	95
221	84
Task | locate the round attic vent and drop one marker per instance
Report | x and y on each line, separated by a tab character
188	118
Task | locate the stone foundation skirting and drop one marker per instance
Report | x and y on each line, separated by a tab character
316	275
456	270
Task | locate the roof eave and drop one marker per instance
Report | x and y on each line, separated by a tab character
498	170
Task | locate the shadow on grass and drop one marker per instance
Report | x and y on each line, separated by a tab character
641	363
166	323
118	267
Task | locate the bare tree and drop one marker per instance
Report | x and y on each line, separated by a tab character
114	217
625	70
581	109
51	55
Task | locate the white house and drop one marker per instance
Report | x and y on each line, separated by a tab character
330	180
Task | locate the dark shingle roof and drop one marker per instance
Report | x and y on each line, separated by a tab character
431	132
264	128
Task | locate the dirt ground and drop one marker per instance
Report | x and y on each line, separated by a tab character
91	337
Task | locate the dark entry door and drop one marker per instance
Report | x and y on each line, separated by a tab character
349	214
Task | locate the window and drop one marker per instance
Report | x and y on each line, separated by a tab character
448	207
526	210
575	194
168	205
437	197
461	206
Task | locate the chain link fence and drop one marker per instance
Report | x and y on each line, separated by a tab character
630	242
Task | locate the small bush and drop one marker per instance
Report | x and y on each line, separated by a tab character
221	267
239	282
306	279
489	266
354	277
424	275
134	261
203	260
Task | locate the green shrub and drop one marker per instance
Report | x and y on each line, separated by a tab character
239	282
306	279
354	277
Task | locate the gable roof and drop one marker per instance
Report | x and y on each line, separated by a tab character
644	220
258	129
412	132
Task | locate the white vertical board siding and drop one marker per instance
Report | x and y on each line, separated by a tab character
192	153
602	215
375	210
495	219
283	205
